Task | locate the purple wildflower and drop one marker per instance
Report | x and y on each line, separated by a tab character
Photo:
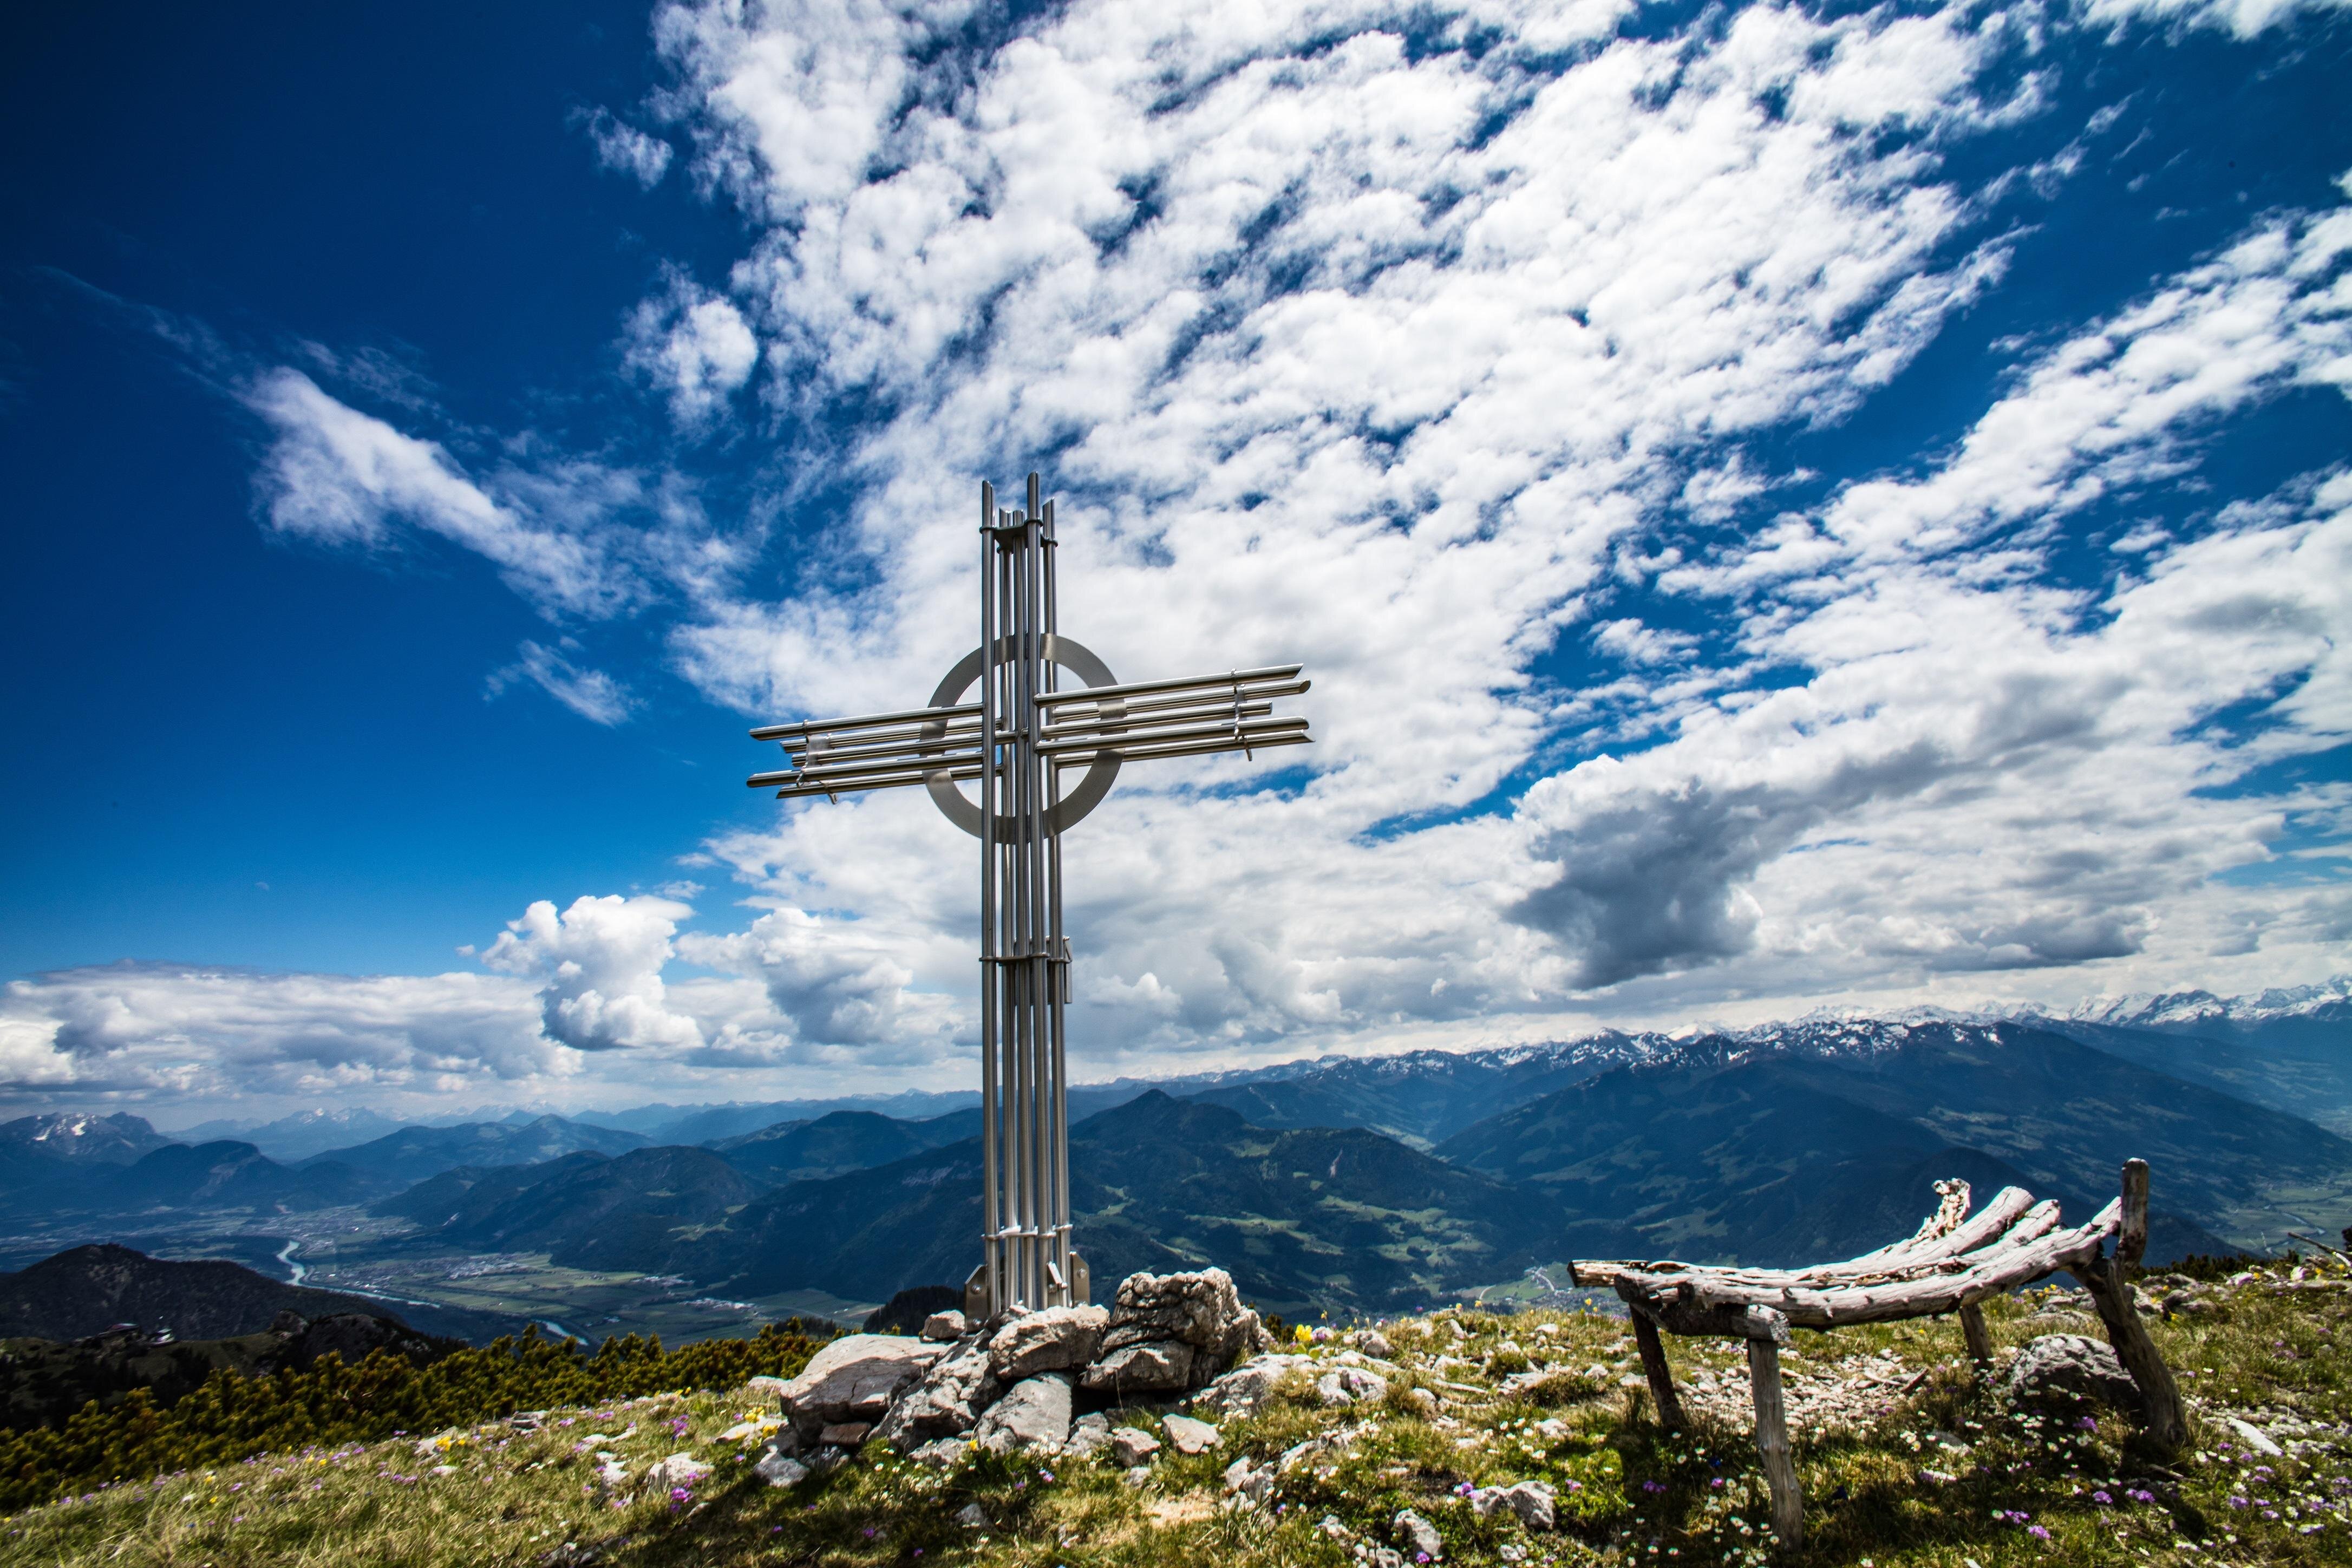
2037	1532
2101	1498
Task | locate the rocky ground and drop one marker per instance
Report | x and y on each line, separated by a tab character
1118	1436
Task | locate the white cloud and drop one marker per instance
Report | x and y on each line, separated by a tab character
600	962
694	347
1429	364
621	147
340	477
591	693
186	1030
577	537
2245	18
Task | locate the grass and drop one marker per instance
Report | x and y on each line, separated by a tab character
1944	1474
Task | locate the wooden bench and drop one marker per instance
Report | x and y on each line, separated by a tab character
1953	1262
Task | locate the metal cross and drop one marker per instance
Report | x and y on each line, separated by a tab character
1016	741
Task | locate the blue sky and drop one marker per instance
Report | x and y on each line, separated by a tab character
1785	506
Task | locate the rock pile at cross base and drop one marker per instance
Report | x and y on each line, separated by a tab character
1021	1380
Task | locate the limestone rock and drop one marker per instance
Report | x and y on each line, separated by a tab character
680	1469
743	1431
1088	1435
1417	1536
1246	1388
1530	1501
1351	1385
2255	1436
2068	1366
941	1453
1245	1480
1132	1446
1058	1339
1156	1366
845	1434
970	1518
1190	1437
1200	1310
764	1385
940	1327
1034	1413
779	1469
855	1378
945	1402
1374	1343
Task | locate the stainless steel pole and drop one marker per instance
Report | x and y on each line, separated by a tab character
990	1248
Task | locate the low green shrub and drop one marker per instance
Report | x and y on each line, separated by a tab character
232	1417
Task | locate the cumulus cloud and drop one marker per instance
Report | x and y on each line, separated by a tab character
1464	369
694	347
143	1028
600	963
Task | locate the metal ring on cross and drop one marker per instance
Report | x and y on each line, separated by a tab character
1071	655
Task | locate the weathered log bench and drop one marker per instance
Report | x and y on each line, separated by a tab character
1953	1262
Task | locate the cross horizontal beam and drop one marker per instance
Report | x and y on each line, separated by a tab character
1185	716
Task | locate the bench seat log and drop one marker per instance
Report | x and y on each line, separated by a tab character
1950	1264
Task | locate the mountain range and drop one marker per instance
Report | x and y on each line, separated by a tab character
1381	1182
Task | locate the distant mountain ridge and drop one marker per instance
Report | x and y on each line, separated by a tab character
414	1153
115	1139
838	1142
88	1290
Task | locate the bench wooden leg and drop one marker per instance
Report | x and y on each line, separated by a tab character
1773	1442
2164	1422
1972	1325
1654	1367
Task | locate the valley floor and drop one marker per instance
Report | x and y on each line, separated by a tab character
1904	1460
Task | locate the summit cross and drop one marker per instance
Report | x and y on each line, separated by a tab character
1016	740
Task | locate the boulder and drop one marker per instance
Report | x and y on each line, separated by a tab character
1418	1536
2065	1368
1530	1501
1132	1446
845	1434
945	1402
1351	1385
855	1378
1246	1388
1088	1436
1245	1480
940	1327
1034	1413
1156	1366
1190	1437
779	1469
1058	1339
941	1453
1200	1310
